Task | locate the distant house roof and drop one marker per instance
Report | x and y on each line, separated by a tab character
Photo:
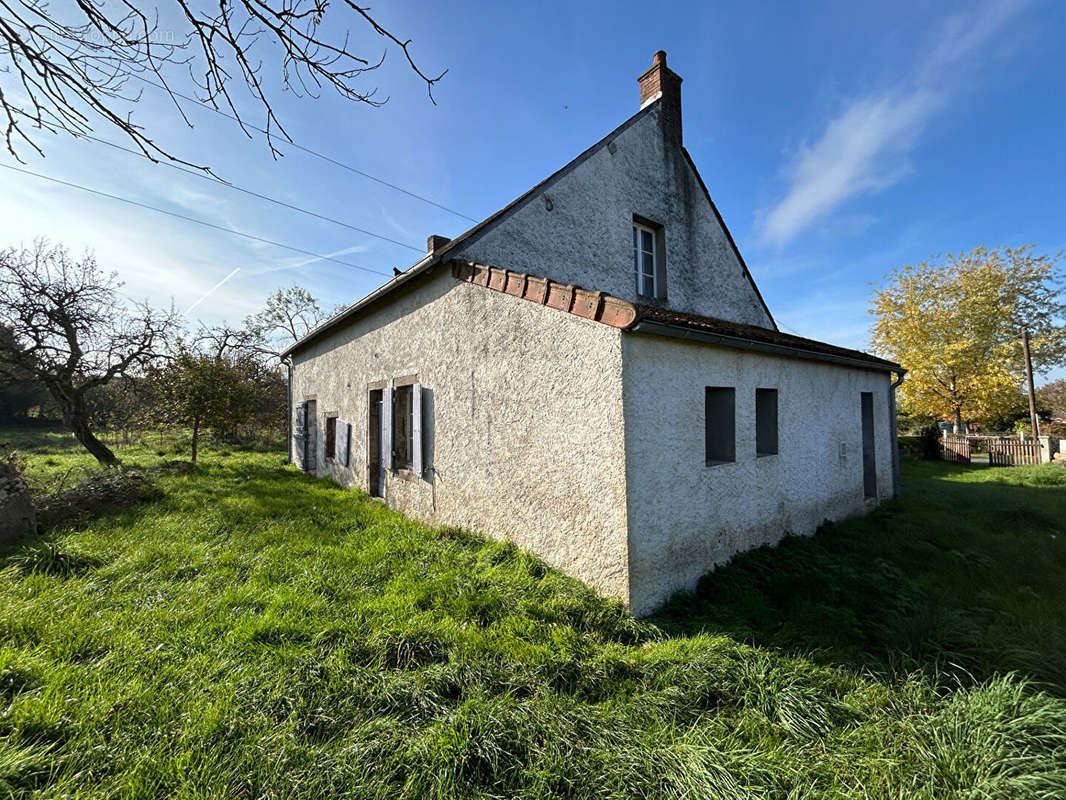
618	313
438	255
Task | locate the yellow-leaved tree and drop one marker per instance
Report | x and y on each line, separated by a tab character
956	324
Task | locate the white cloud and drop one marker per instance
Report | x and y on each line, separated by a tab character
864	148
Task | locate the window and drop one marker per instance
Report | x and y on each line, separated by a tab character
399	427
402	427
331	438
645	258
721	441
766	422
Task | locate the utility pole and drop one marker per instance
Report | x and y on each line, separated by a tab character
1029	382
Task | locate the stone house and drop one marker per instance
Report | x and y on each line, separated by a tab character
592	373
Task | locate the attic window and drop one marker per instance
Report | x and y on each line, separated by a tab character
649	259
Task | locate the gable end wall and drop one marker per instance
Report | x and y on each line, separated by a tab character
585	238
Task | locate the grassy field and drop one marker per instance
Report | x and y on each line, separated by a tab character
56	460
256	633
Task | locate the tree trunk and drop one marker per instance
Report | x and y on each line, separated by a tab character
195	437
958	419
76	418
99	450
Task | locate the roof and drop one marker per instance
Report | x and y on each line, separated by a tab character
734	334
438	256
618	313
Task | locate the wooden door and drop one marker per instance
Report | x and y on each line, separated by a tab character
869	459
311	436
373	445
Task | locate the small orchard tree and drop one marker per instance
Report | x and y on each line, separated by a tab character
204	390
956	325
67	327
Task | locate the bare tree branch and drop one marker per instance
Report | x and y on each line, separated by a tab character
68	69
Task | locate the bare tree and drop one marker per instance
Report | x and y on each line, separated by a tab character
76	64
70	330
224	341
288	316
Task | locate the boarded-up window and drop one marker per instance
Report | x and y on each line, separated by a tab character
721	418
766	422
331	438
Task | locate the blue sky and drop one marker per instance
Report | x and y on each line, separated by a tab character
839	140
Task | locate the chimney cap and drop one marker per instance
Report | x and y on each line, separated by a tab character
435	242
660	57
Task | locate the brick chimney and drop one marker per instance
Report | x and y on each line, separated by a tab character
435	242
660	82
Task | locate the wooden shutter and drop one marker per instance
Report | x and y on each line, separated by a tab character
341	440
386	428
416	429
298	435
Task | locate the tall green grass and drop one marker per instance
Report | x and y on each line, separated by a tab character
964	578
256	633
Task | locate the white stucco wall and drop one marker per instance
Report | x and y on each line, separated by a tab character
586	238
685	517
524	432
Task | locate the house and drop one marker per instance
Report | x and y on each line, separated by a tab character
592	373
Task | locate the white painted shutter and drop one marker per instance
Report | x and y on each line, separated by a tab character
416	429
298	435
341	439
386	428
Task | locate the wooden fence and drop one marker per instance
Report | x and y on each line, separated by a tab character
955	448
1013	452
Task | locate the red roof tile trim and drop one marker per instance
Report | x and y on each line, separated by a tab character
619	313
596	306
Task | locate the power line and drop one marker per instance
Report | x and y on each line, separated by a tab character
304	148
214	179
205	223
286	141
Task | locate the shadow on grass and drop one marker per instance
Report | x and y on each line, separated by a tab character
963	577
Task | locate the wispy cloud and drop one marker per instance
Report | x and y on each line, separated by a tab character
865	147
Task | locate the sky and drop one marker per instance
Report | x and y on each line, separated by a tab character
839	140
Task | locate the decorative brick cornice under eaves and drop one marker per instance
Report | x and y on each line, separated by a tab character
597	306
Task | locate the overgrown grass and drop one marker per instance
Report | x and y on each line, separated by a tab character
256	633
964	578
57	461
